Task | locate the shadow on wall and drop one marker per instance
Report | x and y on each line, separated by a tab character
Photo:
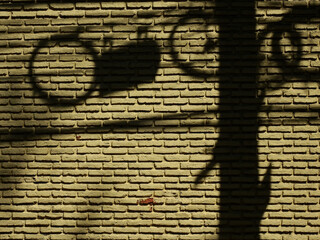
113	70
243	199
290	60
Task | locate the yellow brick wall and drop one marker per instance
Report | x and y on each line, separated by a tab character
110	113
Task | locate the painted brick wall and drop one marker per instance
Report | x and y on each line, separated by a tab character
159	120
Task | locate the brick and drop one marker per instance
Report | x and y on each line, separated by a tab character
60	6
87	5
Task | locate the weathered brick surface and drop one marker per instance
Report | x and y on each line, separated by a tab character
80	160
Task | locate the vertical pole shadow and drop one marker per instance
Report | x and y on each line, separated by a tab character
243	199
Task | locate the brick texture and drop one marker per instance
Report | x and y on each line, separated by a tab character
110	112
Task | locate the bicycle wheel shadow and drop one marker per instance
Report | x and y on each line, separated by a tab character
291	56
122	68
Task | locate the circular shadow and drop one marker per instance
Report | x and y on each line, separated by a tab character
52	95
208	47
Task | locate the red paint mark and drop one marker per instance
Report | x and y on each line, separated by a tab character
78	137
147	201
